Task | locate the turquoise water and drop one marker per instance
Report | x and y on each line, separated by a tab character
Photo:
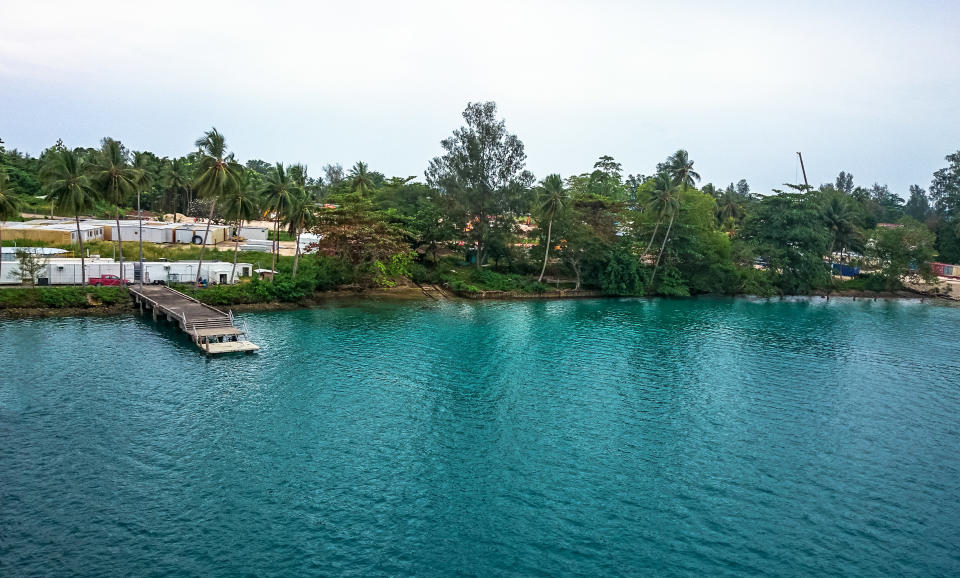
600	437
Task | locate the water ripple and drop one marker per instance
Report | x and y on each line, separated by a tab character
616	437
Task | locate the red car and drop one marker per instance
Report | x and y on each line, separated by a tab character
108	280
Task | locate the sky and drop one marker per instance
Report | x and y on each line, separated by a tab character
872	88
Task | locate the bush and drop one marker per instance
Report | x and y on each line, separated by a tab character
671	283
381	277
256	291
717	278
621	276
866	282
757	282
109	295
458	285
60	297
422	274
330	273
10	298
400	264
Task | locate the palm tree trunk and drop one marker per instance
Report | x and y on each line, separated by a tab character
296	256
236	249
830	258
1	256
547	252
662	246
652	237
119	244
83	262
203	246
576	269
276	247
233	272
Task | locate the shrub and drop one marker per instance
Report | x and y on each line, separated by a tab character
60	297
866	282
755	282
671	283
422	274
381	276
458	285
621	276
330	273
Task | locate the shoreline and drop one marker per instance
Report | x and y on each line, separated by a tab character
415	294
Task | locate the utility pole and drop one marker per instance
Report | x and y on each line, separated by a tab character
804	171
140	220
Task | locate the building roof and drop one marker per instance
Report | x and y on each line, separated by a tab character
34	250
49	225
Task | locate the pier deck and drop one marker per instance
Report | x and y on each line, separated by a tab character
211	329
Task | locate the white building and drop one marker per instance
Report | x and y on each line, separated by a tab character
67	271
161	232
252	233
54	232
8	254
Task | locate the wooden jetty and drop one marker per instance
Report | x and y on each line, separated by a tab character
210	328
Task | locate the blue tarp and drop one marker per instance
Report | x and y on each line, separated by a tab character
845	270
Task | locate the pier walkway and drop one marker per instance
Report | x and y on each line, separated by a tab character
211	329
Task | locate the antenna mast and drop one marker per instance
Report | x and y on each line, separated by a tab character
804	171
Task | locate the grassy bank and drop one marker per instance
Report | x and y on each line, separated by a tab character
61	297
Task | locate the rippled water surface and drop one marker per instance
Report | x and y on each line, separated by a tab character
549	438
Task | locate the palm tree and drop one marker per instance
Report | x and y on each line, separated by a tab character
553	197
114	180
9	208
666	201
278	192
360	178
681	169
176	179
239	206
300	177
298	174
146	163
839	217
728	207
217	175
68	187
662	198
300	218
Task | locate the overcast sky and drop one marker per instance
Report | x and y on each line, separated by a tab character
868	87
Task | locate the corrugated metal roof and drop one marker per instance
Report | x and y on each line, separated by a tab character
35	250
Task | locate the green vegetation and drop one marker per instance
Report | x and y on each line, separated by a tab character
865	283
283	236
61	297
479	223
255	291
29	266
9	206
466	279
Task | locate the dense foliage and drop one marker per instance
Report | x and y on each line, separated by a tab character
481	221
60	297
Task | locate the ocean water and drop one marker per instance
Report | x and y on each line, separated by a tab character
602	437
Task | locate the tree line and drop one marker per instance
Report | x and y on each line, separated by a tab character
480	219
